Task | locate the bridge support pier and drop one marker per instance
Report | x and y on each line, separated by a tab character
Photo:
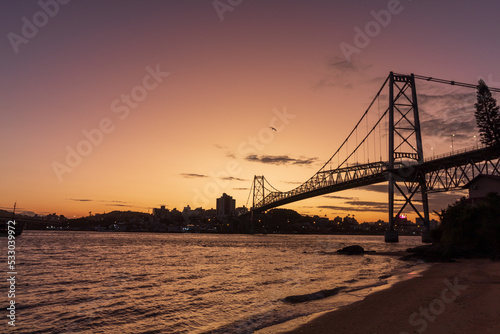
252	222
391	236
426	236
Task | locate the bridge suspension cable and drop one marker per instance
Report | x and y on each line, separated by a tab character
354	131
250	194
271	186
453	83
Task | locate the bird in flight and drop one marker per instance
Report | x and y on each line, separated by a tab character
273	129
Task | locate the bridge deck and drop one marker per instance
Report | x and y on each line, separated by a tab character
330	181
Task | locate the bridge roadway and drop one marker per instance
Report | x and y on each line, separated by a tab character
442	173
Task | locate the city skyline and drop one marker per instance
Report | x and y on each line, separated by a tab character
128	105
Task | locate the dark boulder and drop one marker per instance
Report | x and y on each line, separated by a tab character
352	250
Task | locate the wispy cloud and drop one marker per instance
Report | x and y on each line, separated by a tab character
201	176
439	201
241	188
367	203
281	160
341	73
193	175
294	182
228	152
380	188
10	208
358	206
113	202
341	197
445	111
231	178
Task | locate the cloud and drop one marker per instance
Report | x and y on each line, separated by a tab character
361	206
106	202
445	110
281	160
10	208
341	197
193	175
227	151
342	67
241	188
354	208
230	178
201	176
439	201
344	74
366	203
380	188
443	115
293	182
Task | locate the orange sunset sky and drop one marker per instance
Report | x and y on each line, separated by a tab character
175	94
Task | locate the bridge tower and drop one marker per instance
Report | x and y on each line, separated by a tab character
258	197
405	143
258	190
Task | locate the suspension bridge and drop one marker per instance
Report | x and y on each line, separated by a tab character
386	146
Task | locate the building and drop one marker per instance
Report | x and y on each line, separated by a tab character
225	206
482	185
187	211
161	213
241	210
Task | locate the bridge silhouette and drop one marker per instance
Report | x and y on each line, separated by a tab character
393	140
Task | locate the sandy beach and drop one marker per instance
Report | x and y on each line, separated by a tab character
456	297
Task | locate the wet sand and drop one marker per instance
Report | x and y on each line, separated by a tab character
457	297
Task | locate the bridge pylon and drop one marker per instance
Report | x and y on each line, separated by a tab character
405	143
258	190
258	198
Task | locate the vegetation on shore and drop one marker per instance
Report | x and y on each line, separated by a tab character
468	229
473	226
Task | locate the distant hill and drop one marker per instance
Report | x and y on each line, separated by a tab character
5	214
121	215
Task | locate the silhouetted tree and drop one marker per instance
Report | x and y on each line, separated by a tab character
473	226
487	115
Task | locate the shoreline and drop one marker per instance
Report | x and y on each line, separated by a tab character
415	270
458	297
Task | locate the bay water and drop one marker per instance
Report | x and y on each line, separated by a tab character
103	282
